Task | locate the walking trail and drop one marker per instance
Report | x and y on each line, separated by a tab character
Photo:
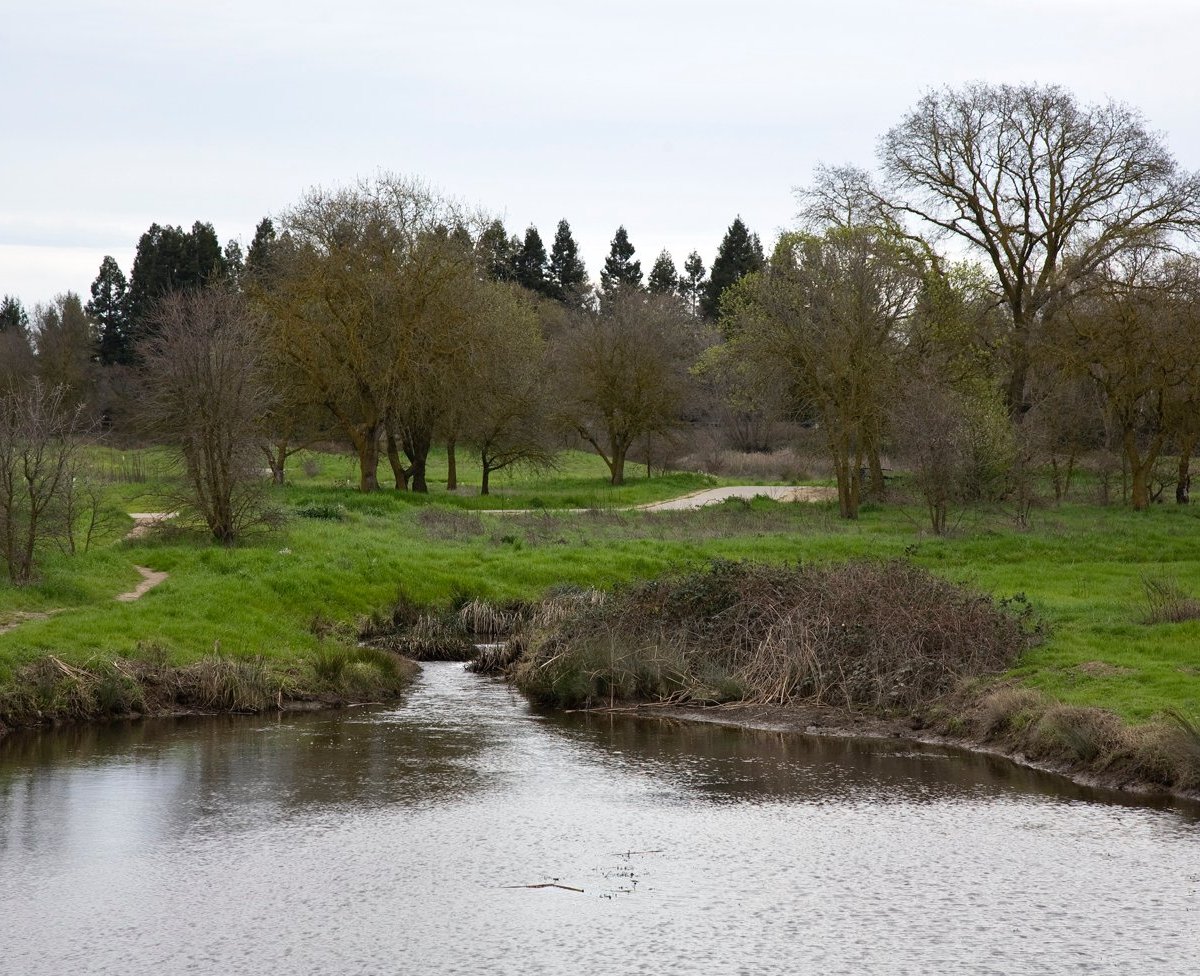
698	499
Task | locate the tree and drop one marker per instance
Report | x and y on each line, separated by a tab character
233	262
66	341
620	270
361	307
496	254
41	441
740	254
623	373
507	405
664	278
1135	334
692	283
170	259
205	394
568	276
530	264
824	321
16	348
107	308
262	255
1047	189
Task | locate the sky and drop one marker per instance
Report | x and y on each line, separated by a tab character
670	117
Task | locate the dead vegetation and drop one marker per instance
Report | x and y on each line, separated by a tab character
886	636
1023	722
52	690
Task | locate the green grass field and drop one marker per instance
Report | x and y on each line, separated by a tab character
349	555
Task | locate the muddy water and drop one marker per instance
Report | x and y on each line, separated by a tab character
388	841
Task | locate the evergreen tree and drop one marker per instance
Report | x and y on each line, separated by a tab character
530	264
496	252
262	253
620	270
13	317
740	254
664	278
691	282
107	308
16	349
234	263
568	276
169	259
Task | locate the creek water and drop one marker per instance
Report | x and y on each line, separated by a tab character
395	840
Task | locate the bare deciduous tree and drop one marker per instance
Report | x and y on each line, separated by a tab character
41	435
205	394
1048	189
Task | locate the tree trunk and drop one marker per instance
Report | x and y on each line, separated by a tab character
1183	485
1139	471
483	484
617	465
878	484
368	459
416	449
451	467
393	455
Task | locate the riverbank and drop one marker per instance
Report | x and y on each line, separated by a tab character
50	691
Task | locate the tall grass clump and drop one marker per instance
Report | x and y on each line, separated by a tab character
1166	602
885	636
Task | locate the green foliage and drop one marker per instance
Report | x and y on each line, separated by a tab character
620	270
567	274
740	254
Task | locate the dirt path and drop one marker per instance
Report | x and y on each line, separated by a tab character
697	499
150	579
143	522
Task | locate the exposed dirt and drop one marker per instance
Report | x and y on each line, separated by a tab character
150	579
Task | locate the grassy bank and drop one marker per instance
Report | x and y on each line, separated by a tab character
341	557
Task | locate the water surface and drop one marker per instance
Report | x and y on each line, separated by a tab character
387	841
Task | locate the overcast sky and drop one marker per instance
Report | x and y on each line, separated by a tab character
669	116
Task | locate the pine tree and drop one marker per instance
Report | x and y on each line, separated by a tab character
169	259
13	317
568	276
108	308
692	283
496	252
235	264
740	254
664	278
620	270
530	264
262	254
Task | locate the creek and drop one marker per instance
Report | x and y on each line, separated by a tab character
398	839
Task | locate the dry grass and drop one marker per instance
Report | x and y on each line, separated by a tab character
51	690
1166	602
1163	753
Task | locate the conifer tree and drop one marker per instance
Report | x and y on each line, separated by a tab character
108	308
496	252
620	270
262	255
530	263
740	253
664	278
568	276
692	281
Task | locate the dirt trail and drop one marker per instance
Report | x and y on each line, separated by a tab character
697	499
150	579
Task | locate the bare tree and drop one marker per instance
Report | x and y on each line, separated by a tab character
41	436
623	372
205	394
1049	190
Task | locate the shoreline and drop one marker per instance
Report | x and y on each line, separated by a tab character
829	722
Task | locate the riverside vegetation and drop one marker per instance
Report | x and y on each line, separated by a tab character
1072	640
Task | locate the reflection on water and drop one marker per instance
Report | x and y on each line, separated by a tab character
386	841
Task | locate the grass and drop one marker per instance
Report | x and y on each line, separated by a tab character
1081	566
